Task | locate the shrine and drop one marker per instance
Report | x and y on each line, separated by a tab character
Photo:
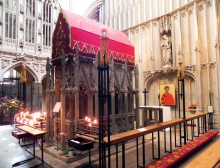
72	76
110	83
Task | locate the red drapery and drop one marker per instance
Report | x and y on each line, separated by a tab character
84	34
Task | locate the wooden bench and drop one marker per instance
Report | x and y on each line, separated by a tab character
179	154
208	159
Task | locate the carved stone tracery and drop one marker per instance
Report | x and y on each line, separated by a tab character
166	44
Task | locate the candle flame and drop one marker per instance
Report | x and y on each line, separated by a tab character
31	123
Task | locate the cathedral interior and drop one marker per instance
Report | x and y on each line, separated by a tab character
110	83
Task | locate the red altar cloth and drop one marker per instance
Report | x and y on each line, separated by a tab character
85	35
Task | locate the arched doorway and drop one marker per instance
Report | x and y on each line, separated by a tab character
12	87
152	84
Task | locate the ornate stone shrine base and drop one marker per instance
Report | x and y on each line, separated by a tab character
66	158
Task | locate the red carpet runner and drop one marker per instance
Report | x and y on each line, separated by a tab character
176	156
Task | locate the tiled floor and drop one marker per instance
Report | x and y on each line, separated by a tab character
11	152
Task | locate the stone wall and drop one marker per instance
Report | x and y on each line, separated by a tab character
17	50
194	35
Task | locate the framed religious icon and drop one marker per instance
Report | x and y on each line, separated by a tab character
167	94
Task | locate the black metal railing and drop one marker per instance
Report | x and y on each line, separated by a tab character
139	135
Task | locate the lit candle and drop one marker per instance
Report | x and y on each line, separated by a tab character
95	121
86	118
90	124
89	119
31	123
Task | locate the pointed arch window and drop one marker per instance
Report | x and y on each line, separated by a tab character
47	33
30	21
10	19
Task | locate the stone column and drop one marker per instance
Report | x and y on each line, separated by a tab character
126	95
76	91
52	102
71	97
134	12
129	14
216	28
48	100
145	10
197	52
137	113
63	102
139	12
151	8
124	18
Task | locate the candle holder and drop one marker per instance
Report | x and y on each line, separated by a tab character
104	98
181	93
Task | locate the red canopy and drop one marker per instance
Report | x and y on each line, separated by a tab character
76	32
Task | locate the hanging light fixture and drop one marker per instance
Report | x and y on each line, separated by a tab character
24	73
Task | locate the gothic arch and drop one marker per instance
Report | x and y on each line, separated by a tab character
16	65
151	76
93	9
42	78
